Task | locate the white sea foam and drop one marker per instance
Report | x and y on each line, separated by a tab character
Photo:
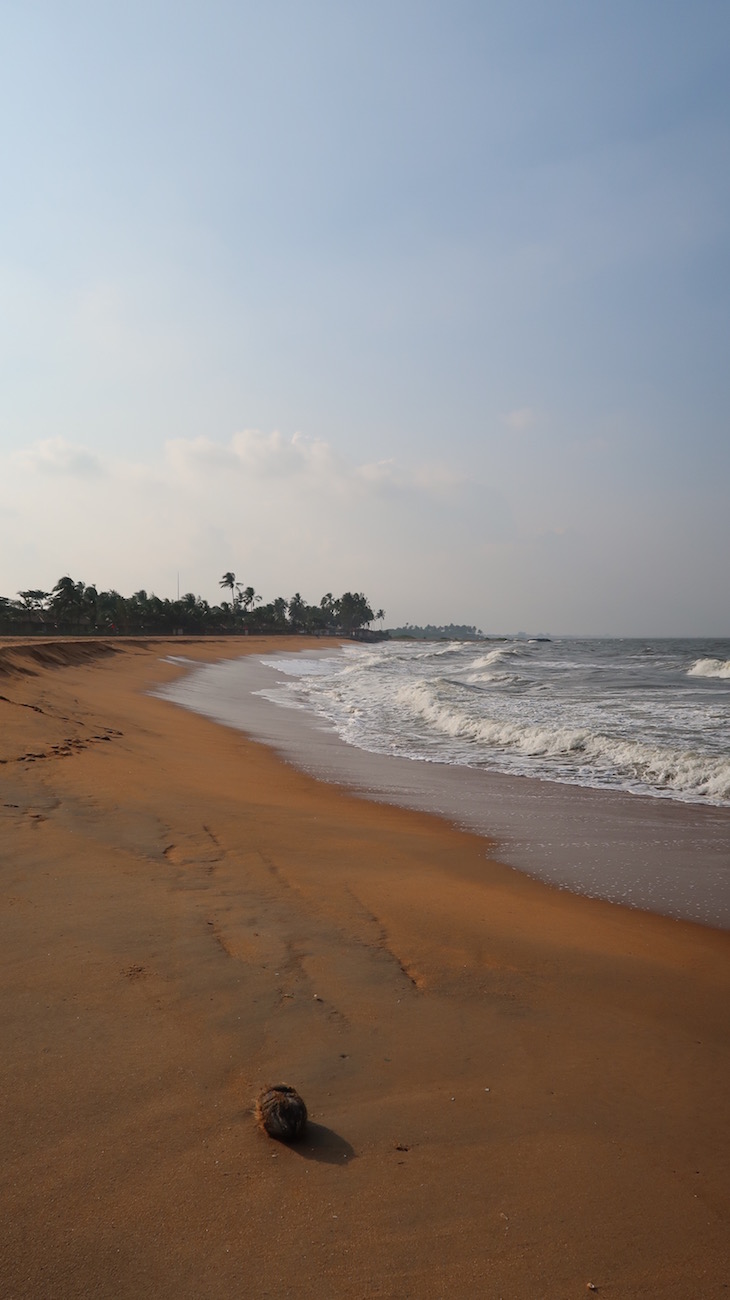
710	668
486	661
508	651
606	714
612	715
595	758
477	679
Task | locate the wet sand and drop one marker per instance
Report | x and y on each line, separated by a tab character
513	1091
658	854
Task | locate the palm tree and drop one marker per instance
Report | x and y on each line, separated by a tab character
354	611
90	606
297	612
67	600
34	605
33	600
328	606
113	611
229	580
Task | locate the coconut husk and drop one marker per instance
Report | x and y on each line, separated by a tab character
281	1112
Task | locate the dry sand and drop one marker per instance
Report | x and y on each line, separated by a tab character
513	1092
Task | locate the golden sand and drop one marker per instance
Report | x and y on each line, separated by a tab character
513	1092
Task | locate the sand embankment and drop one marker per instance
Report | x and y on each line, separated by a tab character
514	1092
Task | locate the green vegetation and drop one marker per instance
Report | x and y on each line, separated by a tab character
73	609
451	632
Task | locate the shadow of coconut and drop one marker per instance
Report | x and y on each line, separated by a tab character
323	1144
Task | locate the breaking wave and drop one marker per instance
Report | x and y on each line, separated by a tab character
710	668
606	714
572	753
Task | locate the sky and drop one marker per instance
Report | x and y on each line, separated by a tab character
428	299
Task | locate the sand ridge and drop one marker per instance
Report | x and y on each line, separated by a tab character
513	1092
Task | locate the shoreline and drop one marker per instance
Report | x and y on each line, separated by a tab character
188	918
665	856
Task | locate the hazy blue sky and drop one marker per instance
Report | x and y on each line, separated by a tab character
425	299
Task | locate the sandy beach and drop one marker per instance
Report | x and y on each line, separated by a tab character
513	1091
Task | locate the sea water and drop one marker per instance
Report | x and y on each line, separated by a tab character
601	766
650	717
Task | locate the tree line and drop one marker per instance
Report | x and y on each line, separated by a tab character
445	632
72	608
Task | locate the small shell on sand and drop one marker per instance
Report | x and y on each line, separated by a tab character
281	1112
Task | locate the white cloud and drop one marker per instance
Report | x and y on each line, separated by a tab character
292	513
274	461
378	472
255	454
288	512
57	456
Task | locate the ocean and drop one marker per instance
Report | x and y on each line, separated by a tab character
600	765
650	717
